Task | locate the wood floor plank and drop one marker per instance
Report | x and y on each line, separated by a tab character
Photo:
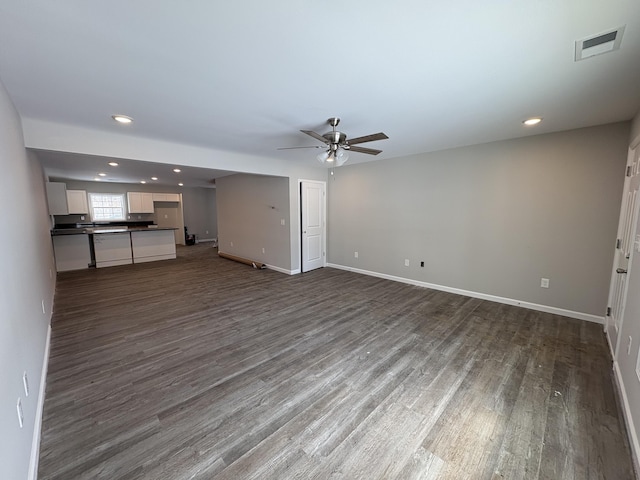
202	368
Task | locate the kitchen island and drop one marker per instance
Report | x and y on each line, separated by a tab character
106	246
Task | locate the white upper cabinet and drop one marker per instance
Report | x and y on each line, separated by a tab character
140	202
77	202
166	197
57	198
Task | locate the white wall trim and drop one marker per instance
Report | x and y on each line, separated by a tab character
283	270
203	240
509	301
628	418
606	334
37	428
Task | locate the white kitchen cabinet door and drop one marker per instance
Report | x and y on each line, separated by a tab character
166	197
71	252
57	198
152	245
77	202
112	249
140	202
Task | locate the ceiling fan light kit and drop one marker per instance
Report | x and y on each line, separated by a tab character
338	147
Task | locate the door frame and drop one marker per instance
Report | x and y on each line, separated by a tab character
301	222
610	322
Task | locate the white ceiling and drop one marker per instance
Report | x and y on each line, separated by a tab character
246	76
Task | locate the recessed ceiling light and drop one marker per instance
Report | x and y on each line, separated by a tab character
122	118
102	174
143	181
177	170
532	121
181	184
154	178
113	164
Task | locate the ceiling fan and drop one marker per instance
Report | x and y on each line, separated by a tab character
338	146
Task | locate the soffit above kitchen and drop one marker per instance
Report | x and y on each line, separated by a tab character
71	166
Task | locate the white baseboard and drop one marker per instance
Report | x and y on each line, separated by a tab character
282	270
203	240
37	428
483	296
611	347
628	418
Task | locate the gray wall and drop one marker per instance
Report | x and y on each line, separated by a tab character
491	219
199	204
26	283
250	210
200	214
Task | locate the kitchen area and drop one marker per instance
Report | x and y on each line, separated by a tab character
96	230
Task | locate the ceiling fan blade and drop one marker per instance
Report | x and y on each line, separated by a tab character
367	138
315	135
370	151
291	148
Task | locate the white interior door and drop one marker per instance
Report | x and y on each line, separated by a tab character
312	207
624	246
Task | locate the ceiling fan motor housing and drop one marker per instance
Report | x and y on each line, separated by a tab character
335	137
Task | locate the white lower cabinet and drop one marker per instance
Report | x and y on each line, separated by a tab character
152	245
112	249
72	252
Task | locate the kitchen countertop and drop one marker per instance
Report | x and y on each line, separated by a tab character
105	229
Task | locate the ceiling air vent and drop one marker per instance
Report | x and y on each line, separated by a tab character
601	43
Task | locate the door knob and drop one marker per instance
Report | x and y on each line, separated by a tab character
620	270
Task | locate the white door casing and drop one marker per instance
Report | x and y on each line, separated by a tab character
313	236
624	247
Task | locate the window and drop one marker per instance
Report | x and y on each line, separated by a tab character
106	206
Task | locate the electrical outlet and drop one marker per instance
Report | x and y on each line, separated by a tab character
25	383
206	232
355	254
629	346
20	412
282	222
231	244
406	262
81	217
262	249
544	282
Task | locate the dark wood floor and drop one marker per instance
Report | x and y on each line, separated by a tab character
202	368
